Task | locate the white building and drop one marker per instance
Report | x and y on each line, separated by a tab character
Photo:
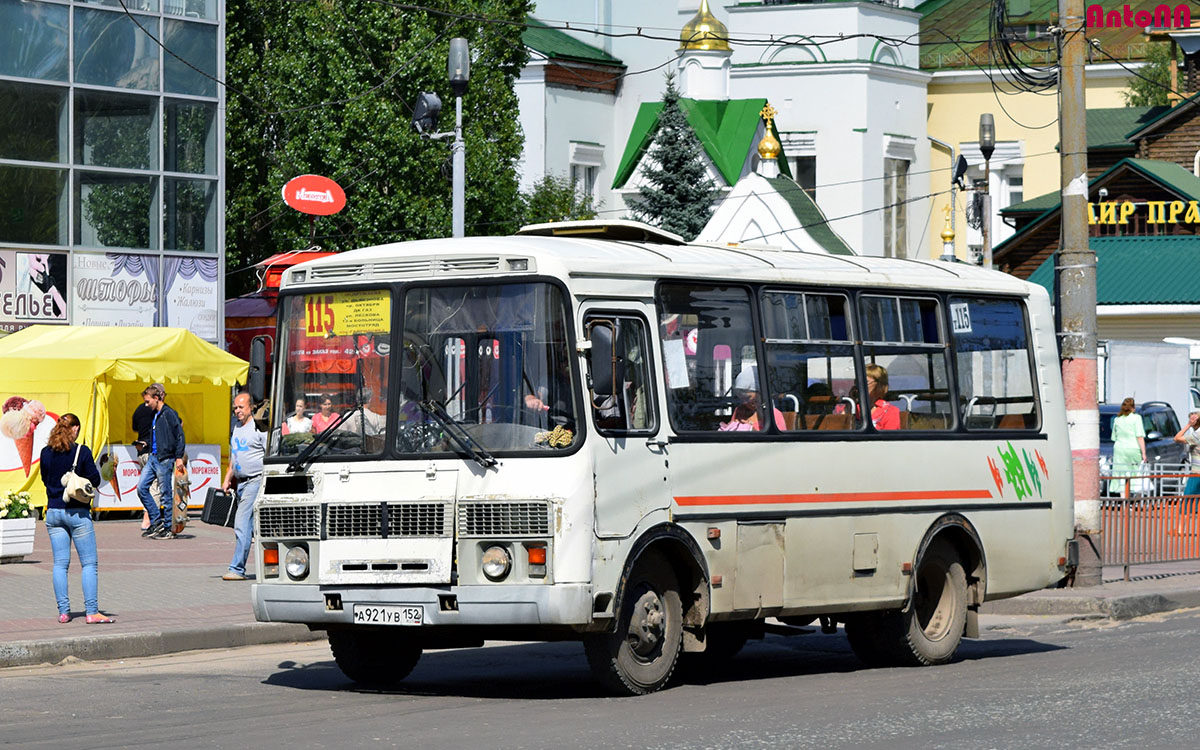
851	111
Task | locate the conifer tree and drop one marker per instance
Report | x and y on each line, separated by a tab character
678	194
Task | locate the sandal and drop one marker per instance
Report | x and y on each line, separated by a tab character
99	617
64	618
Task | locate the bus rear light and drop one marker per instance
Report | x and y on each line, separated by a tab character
714	532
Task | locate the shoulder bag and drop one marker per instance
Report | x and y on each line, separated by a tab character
76	487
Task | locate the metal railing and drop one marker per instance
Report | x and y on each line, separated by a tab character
1149	521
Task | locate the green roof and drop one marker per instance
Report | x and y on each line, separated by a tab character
1162	270
559	45
1108	128
811	218
725	128
1037	205
954	34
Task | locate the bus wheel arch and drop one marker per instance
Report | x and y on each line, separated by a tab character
679	548
959	534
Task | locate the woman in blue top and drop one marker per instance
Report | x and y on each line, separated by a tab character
68	520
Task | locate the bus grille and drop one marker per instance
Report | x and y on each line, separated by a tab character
504	519
365	520
289	521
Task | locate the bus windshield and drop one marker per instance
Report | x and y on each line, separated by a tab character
493	360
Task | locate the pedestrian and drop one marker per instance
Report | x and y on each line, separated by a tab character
246	447
143	424
167	444
68	520
298	423
1129	448
1190	436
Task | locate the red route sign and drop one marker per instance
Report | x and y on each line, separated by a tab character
314	194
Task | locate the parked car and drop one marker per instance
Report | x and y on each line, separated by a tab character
1161	425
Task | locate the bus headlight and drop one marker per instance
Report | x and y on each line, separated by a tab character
295	562
496	563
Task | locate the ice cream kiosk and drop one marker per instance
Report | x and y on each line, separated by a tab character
98	374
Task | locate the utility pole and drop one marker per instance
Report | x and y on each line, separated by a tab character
1076	269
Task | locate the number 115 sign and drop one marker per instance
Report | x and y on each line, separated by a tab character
347	313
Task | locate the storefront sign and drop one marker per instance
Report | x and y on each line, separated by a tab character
115	290
33	289
190	295
314	194
1157	212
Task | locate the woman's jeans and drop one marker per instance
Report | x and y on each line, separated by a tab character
63	527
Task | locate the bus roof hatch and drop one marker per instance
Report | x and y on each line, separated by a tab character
610	229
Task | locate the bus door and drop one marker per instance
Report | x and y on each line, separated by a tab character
630	459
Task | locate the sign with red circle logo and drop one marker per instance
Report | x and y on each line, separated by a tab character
314	194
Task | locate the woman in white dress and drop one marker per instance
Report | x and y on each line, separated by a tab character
298	422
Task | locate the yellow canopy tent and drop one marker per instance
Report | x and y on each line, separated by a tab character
98	374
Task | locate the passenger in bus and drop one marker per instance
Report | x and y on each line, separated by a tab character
299	422
325	417
745	414
884	415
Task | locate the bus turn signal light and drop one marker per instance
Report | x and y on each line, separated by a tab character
537	555
271	556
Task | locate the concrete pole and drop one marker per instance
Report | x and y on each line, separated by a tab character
1077	296
459	165
985	208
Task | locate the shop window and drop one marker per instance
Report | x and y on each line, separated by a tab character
33	122
33	208
190	134
33	37
191	215
116	130
116	211
191	8
197	45
110	50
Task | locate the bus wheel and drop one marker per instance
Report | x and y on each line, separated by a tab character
640	656
373	658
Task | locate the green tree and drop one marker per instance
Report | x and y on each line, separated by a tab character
555	198
678	194
328	90
1154	84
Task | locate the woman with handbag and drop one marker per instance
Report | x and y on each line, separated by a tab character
70	475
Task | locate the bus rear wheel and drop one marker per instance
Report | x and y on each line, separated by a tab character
929	630
373	658
640	656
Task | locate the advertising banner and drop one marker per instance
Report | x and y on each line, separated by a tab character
120	471
115	290
33	289
191	296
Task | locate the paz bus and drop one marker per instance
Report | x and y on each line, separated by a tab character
597	431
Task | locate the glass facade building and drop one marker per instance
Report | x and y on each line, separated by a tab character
112	163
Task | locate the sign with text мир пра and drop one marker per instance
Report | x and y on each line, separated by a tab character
1157	212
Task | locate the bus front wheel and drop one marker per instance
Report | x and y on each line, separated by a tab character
641	655
371	657
929	630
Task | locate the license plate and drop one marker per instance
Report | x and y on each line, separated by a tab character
388	614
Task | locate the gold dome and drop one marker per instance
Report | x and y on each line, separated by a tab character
947	231
768	147
704	31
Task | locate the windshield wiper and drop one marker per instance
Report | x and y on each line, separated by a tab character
455	432
306	456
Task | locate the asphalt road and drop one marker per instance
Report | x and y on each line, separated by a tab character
1030	682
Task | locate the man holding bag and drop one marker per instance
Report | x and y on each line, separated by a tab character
167	446
246	447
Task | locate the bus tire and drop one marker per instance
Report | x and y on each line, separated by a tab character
641	655
373	658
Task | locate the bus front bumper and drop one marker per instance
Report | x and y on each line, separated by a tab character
557	604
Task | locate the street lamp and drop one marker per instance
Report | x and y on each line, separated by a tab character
987	145
460	74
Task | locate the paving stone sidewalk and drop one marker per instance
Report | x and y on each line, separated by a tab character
168	596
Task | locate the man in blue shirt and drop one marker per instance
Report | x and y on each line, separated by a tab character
246	447
167	445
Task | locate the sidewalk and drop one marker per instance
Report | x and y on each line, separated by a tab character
168	596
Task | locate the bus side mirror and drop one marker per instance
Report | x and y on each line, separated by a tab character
257	381
602	359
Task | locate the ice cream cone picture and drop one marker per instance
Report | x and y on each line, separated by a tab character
108	471
19	420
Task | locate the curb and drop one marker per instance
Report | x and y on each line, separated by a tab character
151	643
1114	607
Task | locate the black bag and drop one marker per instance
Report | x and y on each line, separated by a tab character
220	507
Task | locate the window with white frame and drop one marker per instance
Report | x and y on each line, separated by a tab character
899	152
1005	182
800	148
586	160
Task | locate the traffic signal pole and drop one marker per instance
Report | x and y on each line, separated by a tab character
1076	268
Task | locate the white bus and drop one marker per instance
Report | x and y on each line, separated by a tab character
596	431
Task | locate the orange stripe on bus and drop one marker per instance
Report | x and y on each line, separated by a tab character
835	497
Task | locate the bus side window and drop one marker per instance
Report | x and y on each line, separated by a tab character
904	336
628	407
995	378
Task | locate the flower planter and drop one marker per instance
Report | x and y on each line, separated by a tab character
16	538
